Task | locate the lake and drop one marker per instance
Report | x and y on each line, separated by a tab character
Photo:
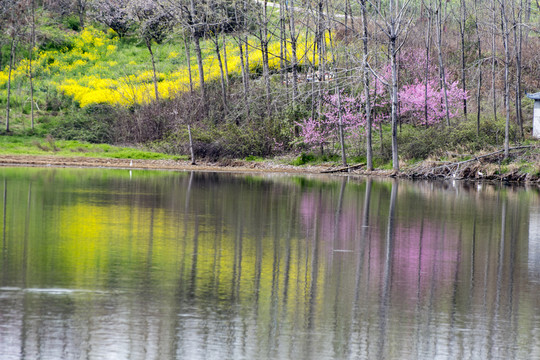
120	264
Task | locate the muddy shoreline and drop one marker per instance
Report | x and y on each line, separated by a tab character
475	172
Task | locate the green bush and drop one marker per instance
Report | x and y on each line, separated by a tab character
420	143
72	22
94	124
303	159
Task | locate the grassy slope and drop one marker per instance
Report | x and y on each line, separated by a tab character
33	145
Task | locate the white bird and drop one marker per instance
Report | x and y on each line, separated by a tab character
480	174
131	163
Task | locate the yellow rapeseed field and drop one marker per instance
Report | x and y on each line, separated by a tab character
94	71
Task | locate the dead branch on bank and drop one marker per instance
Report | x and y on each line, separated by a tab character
464	169
343	169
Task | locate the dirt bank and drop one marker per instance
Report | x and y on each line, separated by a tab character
478	170
178	165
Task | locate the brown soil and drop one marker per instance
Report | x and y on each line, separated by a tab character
178	165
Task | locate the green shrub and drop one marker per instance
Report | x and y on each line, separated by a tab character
94	124
303	159
72	22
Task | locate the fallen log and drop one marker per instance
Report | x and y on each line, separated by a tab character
343	169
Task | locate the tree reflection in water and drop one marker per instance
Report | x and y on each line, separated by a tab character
101	264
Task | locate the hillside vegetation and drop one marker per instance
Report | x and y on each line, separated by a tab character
327	80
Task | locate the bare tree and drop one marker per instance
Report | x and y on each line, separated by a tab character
30	71
517	27
81	7
396	20
505	37
480	61
462	24
155	22
12	20
440	13
365	77
114	14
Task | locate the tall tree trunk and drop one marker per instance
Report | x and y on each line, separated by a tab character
282	42
441	63
11	59
494	61
340	123
200	66
246	41
196	38
463	69
81	10
243	68
480	61
294	57
187	46
394	100
221	72
518	45
191	146
32	44
154	75
426	74
225	60
264	49
506	34
366	74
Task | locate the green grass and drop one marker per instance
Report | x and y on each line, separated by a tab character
32	145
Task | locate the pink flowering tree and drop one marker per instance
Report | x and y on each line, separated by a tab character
319	132
421	100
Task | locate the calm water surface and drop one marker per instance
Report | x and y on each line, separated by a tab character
119	264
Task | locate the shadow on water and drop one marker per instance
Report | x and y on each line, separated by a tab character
146	264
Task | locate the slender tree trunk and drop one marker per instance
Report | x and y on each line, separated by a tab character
149	46
243	68
394	101
506	34
340	123
518	44
187	46
225	60
196	38
352	16
246	41
11	59
369	148
200	67
282	41
81	10
426	75
494	61
264	49
441	63
463	69
294	57
191	146
221	72
480	62
32	44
